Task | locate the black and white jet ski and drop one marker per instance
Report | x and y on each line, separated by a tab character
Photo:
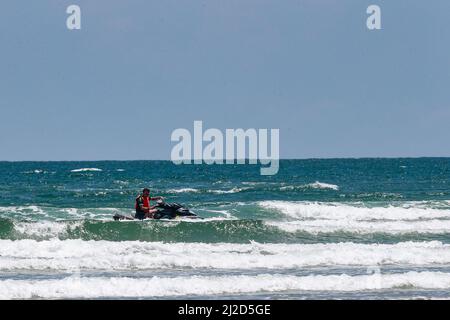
165	211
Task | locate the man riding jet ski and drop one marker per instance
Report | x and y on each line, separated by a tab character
161	210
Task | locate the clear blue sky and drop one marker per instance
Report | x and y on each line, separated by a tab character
139	69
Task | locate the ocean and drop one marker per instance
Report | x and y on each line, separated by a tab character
319	229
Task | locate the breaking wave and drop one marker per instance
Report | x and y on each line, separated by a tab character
87	170
106	255
97	287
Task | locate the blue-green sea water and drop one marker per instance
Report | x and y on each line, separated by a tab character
319	229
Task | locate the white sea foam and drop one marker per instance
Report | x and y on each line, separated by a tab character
92	287
363	227
182	190
233	190
51	214
225	213
24	211
254	183
316	217
322	185
36	171
315	185
357	211
90	213
135	255
87	170
44	229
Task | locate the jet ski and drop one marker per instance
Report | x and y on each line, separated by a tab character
166	211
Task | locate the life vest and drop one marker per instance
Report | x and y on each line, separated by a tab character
145	201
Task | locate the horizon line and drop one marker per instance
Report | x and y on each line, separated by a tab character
246	159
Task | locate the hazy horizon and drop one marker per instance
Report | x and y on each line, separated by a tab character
281	159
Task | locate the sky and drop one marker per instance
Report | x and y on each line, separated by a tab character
139	69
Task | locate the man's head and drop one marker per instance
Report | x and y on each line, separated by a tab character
146	192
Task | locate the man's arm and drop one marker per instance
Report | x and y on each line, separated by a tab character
155	198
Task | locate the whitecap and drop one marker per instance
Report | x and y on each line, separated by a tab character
106	255
234	190
87	170
355	211
322	185
182	190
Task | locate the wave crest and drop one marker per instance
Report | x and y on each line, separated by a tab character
87	170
